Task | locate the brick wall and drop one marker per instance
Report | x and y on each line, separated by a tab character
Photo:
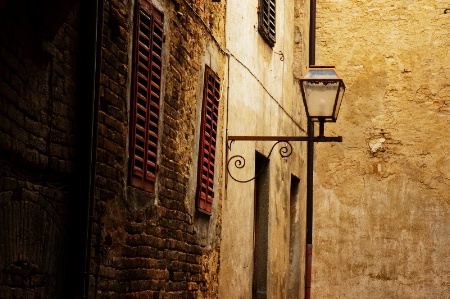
147	244
37	146
143	244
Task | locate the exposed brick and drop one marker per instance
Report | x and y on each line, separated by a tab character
140	248
141	273
147	251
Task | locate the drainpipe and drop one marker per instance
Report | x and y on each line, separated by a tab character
310	162
93	56
309	209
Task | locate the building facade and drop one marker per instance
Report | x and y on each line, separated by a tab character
38	147
160	129
382	216
263	237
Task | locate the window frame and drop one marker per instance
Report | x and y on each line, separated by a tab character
267	21
146	91
208	140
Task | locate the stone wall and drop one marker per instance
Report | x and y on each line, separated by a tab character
382	196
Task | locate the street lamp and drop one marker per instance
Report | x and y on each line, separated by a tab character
322	92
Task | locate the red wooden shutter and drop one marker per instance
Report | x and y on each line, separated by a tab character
208	136
146	96
267	18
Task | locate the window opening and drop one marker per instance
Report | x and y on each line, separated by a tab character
261	228
294	240
266	20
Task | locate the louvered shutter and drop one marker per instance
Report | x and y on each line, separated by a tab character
267	18
207	156
146	96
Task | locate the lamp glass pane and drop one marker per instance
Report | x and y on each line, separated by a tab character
340	97
320	97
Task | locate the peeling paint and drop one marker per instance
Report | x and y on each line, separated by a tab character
376	144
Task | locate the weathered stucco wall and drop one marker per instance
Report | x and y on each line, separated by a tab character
382	197
261	101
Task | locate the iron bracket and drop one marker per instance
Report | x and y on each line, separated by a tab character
285	151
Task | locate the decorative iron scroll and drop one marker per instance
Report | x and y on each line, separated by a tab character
239	161
281	55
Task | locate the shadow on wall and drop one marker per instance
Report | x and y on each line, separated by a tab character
36	156
44	16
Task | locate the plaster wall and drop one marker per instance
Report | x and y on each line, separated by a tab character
261	93
382	197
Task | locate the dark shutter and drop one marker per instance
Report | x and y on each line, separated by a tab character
208	136
146	95
267	17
